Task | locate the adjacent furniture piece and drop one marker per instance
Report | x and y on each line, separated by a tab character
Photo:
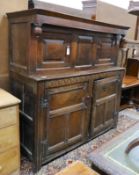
9	134
64	70
77	168
112	157
130	85
134	10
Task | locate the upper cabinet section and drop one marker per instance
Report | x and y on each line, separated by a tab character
47	41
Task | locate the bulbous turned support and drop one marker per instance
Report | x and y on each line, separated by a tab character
132	145
37	30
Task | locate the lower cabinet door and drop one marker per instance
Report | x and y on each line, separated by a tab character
66	129
105	107
67	117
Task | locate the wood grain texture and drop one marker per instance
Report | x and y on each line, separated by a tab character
8	138
77	168
9	161
7	99
10	113
9	134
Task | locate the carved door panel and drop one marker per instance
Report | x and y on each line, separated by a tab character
67	116
104	109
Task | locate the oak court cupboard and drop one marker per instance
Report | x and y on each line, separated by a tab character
64	70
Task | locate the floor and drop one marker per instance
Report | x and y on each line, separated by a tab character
127	118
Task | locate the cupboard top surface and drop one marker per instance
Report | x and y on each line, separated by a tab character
72	73
51	17
6	99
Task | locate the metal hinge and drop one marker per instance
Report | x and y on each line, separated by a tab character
44	102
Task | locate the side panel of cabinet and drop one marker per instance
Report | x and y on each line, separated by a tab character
24	91
67	117
104	109
19	46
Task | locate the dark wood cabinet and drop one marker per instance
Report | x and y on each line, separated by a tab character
63	68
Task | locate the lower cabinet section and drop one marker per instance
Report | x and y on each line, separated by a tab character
65	112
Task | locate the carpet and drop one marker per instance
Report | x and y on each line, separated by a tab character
82	152
131	113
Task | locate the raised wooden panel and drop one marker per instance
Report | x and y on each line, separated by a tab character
9	161
19	44
53	50
56	133
98	117
85	50
66	96
106	51
8	116
8	138
104	114
105	87
77	126
111	109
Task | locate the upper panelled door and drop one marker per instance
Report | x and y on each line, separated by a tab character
106	50
85	50
67	118
54	49
105	100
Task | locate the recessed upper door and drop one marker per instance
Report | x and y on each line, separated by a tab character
106	50
54	50
85	50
